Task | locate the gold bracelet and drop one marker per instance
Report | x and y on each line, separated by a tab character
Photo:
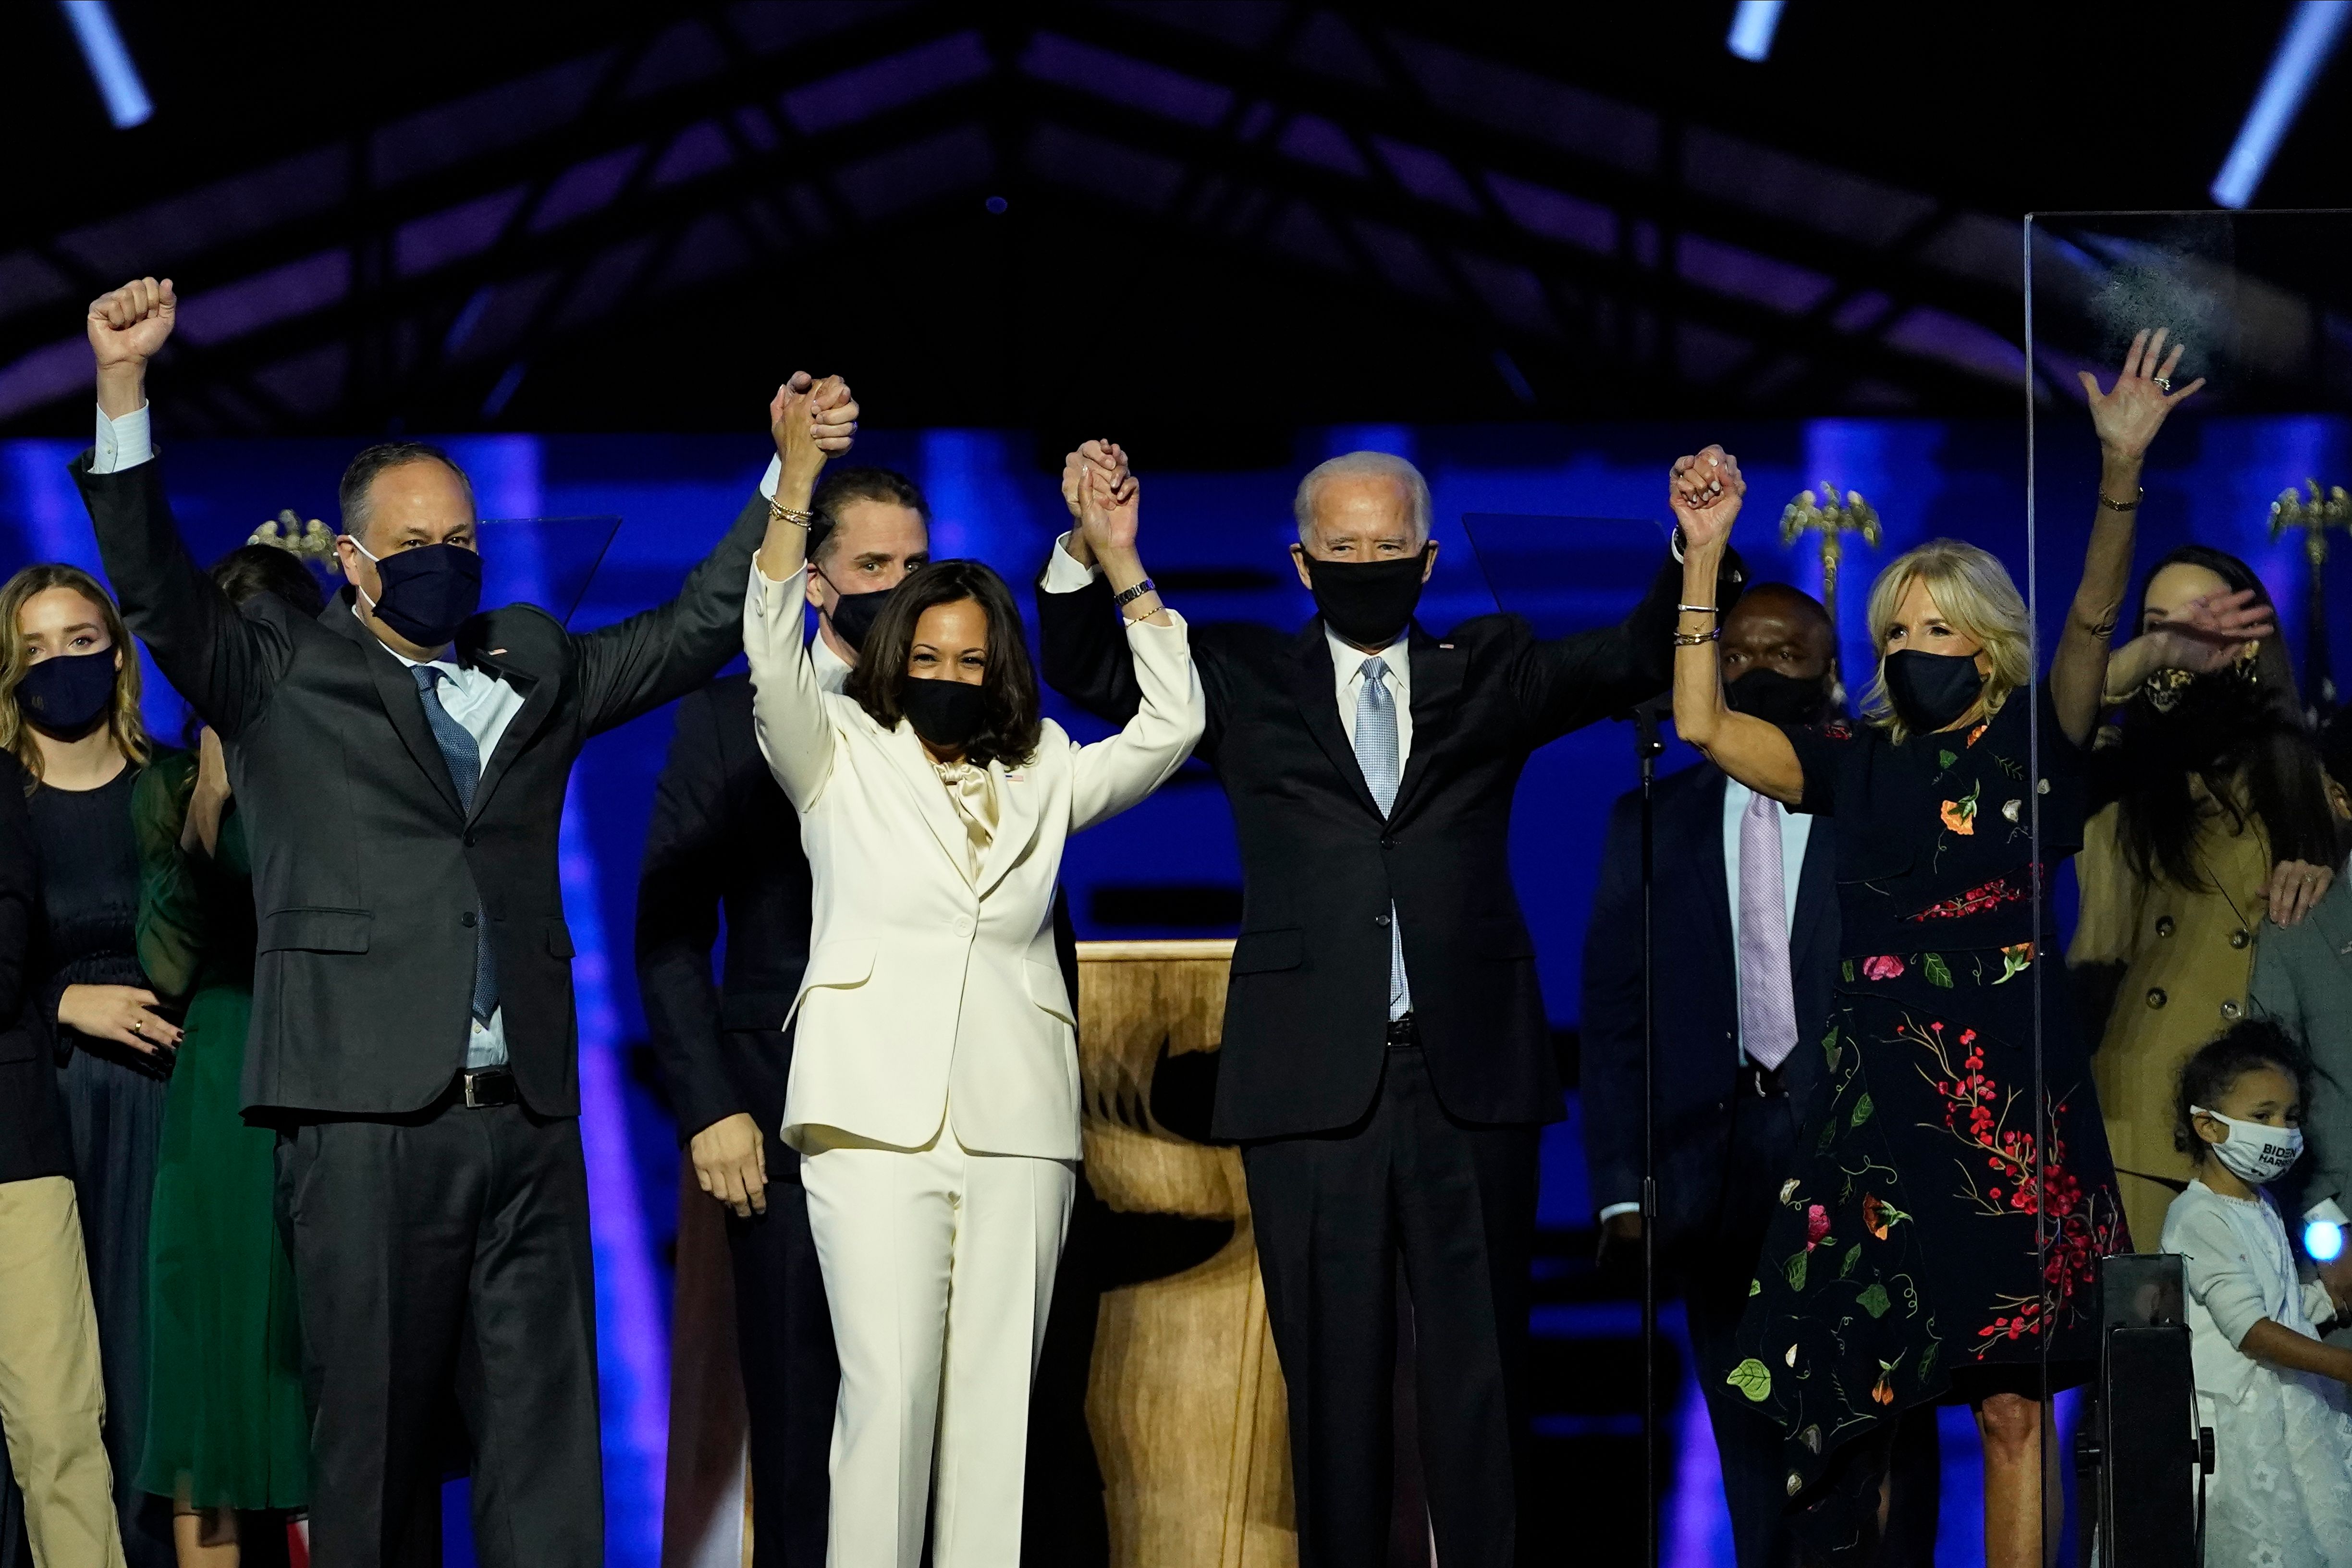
2131	505
1698	639
779	512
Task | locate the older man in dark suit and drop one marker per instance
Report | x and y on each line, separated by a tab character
403	760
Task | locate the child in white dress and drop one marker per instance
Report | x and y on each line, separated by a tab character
2281	1494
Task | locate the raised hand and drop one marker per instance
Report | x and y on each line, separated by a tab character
1109	512
129	324
1704	491
2210	632
810	421
1105	456
835	413
2128	416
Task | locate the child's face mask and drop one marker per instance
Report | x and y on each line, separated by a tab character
2255	1151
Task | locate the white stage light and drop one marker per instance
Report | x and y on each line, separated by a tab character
2311	35
1752	26
127	103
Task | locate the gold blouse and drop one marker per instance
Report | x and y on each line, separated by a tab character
974	790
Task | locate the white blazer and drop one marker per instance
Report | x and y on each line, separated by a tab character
921	986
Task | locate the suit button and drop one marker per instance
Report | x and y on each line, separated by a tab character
2239	939
963	925
2164	926
2230	1011
469	840
467	918
2155	996
1379	920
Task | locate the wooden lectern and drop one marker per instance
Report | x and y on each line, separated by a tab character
1185	1396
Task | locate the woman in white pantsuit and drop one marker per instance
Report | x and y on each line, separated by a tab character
934	1094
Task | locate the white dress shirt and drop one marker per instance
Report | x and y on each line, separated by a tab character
483	703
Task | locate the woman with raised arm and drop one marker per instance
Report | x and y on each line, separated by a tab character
1942	1242
934	1089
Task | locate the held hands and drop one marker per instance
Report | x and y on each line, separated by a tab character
811	421
730	1164
123	1013
2127	418
1105	460
2295	886
1705	492
128	325
1108	507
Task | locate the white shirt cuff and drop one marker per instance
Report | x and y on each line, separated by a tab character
1614	1210
123	443
773	476
1063	573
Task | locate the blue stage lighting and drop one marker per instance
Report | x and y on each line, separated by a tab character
127	103
2311	35
1752	26
2321	1241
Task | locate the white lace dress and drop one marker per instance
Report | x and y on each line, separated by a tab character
2281	1494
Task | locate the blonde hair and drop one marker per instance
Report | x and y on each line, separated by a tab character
1973	592
130	731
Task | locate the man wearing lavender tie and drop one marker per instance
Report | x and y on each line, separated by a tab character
1747	912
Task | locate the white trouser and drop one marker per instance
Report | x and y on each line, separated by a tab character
938	1269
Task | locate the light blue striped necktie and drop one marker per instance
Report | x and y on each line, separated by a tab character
1376	755
463	754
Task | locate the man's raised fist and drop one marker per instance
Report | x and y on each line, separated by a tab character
127	326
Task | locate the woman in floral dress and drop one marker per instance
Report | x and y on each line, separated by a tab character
1941	1241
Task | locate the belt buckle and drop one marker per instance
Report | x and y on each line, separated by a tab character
471	1103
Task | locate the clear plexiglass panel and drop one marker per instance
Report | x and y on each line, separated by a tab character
2199	763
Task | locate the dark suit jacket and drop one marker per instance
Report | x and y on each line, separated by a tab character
1697	999
724	837
1306	1012
366	873
32	1127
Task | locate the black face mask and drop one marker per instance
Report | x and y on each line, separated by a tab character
428	591
944	713
66	694
853	614
1778	698
1368	602
1930	690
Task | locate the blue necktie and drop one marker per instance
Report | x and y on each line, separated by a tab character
1376	755
464	757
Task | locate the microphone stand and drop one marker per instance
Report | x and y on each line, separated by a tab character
1647	746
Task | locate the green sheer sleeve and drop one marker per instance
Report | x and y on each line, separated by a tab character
171	900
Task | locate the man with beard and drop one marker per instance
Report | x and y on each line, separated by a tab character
1387	1065
1747	888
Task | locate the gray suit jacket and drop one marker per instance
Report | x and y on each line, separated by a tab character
2303	977
367	873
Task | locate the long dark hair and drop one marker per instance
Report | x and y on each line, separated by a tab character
2242	730
1011	733
254	569
2209	1076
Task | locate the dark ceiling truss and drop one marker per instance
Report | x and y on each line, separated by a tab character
1566	309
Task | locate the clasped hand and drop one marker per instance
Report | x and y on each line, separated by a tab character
1704	491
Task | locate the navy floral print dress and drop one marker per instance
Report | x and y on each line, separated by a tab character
1943	1232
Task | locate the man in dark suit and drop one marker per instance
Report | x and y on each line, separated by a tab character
1746	900
724	837
402	762
1387	1063
51	1394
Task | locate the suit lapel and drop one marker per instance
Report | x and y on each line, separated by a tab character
905	749
1715	874
523	669
1816	888
1016	823
1312	688
397	689
1436	674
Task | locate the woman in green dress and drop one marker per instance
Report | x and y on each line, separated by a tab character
226	1430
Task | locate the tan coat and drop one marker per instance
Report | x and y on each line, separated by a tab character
2190	956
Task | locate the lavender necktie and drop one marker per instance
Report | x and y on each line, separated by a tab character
1768	1012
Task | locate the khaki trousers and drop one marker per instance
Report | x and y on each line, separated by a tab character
50	1396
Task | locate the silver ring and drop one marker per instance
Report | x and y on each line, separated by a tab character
2163	385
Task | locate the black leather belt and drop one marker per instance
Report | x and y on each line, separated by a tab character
1404	1031
491	1085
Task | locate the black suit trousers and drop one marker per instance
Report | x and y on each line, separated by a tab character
790	1376
448	1246
1333	1213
